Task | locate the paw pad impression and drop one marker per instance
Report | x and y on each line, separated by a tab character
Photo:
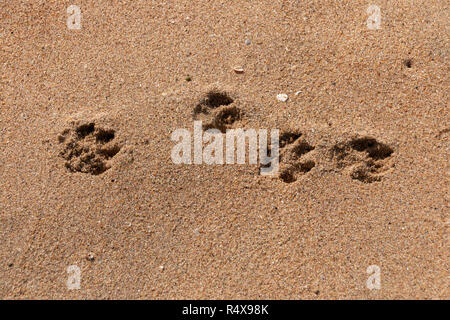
88	148
293	156
366	159
215	109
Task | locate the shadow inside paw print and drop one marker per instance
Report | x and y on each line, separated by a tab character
293	159
216	111
88	148
365	158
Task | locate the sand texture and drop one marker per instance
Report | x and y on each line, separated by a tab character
87	179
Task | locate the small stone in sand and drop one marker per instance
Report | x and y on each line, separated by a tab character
238	70
282	97
91	256
247	42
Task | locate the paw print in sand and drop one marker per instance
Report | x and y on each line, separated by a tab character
216	111
364	158
295	157
88	148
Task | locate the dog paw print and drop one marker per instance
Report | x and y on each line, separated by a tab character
366	159
88	148
295	159
216	111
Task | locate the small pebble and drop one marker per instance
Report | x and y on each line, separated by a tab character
238	70
247	42
91	256
282	97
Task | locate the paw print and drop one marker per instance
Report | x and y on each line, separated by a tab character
215	109
88	148
295	157
364	158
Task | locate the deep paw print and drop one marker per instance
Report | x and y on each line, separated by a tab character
88	148
295	159
366	159
216	111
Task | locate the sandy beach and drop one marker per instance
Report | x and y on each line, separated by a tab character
92	205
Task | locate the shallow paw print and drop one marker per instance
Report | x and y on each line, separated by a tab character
216	111
88	148
364	158
295	159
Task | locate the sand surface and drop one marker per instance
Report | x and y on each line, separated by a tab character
371	107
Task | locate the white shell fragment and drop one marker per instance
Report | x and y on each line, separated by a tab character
282	97
238	69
